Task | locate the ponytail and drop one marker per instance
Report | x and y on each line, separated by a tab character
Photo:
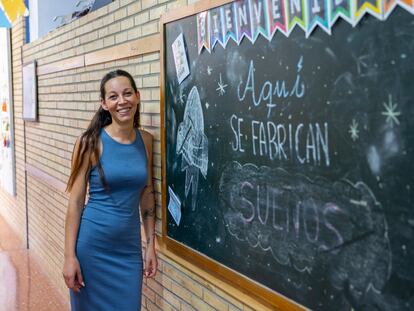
88	148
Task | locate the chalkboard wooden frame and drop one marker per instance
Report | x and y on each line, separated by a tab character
263	294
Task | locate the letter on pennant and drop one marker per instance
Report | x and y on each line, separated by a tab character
203	31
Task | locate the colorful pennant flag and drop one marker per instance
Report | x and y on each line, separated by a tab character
229	23
216	25
296	14
389	6
318	14
203	31
244	25
363	7
340	8
277	17
258	9
4	21
11	9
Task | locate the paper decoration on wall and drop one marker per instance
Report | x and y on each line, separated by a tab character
389	6
252	18
203	22
229	23
10	10
4	21
216	28
243	21
340	8
296	14
174	206
317	15
373	7
180	58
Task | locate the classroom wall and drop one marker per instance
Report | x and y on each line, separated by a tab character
67	100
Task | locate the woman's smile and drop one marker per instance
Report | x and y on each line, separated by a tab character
124	111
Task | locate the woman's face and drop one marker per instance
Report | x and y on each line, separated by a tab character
121	101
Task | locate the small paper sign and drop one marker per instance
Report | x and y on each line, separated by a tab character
174	206
180	58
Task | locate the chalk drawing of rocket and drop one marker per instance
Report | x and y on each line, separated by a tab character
192	144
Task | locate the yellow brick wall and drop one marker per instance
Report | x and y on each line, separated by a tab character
67	101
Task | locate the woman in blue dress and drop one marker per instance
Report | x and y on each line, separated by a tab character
112	161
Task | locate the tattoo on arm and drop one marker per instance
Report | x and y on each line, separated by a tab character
150	188
148	213
149	238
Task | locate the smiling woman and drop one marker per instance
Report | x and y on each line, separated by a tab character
114	158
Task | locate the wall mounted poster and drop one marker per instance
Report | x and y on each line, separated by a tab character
290	147
7	159
29	92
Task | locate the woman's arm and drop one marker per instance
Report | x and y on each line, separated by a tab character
147	204
71	270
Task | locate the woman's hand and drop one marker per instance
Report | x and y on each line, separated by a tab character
151	264
72	274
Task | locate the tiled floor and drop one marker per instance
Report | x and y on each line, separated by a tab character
23	286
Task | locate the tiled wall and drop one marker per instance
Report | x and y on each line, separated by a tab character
67	101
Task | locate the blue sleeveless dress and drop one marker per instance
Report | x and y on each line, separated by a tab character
109	240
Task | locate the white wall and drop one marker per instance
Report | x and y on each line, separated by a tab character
42	13
33	18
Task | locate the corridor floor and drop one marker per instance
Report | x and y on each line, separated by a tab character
23	286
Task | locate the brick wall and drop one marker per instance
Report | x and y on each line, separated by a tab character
67	100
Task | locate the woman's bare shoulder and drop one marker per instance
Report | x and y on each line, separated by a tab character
146	137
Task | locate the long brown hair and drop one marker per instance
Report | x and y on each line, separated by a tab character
89	140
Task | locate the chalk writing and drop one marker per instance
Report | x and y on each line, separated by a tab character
306	223
302	143
278	89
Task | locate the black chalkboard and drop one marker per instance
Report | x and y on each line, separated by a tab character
293	160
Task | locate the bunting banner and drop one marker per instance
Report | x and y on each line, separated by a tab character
390	5
277	17
4	21
10	10
317	15
229	23
260	25
244	26
203	20
340	8
253	18
216	28
296	14
363	7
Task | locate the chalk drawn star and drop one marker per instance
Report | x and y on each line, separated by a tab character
353	130
361	63
209	70
221	87
182	98
390	112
